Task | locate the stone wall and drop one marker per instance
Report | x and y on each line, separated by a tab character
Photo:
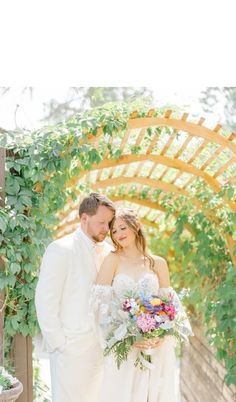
201	374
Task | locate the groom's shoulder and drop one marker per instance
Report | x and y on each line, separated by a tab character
63	243
108	246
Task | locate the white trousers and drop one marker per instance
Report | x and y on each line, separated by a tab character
76	377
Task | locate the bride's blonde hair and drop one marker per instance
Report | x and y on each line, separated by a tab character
132	221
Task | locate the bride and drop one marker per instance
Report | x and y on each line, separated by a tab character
131	266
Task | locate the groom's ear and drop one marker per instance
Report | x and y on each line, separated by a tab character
83	217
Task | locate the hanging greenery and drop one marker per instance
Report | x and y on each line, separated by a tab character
38	168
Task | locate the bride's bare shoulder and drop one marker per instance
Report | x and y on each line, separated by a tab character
112	256
162	270
159	261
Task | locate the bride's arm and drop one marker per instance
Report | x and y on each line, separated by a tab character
162	271
101	297
107	270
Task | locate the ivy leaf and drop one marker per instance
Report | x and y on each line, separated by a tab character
12	186
230	193
15	268
3	223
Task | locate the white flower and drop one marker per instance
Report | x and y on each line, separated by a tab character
111	342
166	325
120	332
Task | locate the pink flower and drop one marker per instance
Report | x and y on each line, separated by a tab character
146	323
170	310
126	305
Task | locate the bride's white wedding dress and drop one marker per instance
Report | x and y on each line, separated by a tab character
160	382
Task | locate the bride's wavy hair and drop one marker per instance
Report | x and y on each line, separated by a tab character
132	221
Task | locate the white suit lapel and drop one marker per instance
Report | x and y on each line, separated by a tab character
85	255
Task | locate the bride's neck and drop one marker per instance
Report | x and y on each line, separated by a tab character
131	252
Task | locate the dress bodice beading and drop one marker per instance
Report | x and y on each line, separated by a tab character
124	284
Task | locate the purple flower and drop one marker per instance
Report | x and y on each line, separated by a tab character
146	322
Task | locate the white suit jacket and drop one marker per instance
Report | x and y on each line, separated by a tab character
67	274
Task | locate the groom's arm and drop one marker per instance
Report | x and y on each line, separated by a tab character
49	293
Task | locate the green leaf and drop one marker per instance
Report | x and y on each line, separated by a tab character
230	193
3	223
15	268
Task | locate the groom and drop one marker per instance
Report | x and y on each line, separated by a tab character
68	271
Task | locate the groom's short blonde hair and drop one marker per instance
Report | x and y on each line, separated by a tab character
90	204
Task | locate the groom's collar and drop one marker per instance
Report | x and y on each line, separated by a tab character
89	242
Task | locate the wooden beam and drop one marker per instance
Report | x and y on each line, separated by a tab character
158	159
153	183
23	366
191	128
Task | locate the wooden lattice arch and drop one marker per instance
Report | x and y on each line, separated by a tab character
164	153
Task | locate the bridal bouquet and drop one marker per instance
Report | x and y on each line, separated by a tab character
141	317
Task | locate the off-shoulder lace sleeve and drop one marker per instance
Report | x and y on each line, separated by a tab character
100	310
183	323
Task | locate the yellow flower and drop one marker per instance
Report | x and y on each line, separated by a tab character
155	302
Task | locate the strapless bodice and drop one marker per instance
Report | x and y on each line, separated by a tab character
124	284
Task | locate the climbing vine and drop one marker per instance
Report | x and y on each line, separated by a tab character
38	168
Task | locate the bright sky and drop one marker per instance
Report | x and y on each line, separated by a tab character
18	108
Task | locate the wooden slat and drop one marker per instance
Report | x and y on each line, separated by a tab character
183	147
167	114
202	375
201	121
217	128
169	142
163	174
111	171
99	174
153	167
138	168
224	167
107	150
189	182
216	153
177	175
184	117
152	142
125	140
211	158
124	170
140	137
232	181
198	151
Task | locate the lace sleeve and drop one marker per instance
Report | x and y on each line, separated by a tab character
182	323
100	310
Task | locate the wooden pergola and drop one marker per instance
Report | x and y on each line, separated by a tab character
172	154
165	154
